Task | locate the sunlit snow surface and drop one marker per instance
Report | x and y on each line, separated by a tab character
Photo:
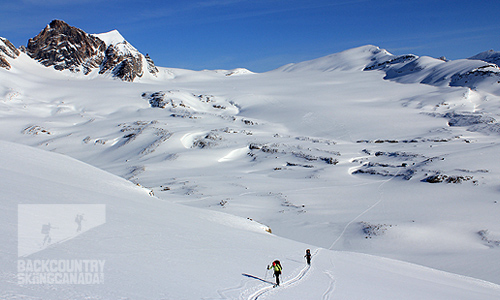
322	152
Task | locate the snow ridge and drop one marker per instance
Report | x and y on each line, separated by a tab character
480	71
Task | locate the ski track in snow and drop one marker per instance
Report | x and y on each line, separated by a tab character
285	284
331	288
223	292
365	211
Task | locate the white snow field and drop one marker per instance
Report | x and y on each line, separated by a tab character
154	249
393	183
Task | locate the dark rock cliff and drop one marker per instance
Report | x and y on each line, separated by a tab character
68	48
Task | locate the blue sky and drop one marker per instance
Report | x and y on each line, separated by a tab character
262	35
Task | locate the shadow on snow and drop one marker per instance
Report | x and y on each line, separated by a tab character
255	277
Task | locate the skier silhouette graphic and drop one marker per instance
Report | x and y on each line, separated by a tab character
78	220
46	232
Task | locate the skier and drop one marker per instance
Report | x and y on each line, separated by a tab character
308	256
276	266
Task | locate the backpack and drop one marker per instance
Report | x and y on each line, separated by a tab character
277	266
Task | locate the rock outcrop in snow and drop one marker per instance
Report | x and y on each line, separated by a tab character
122	59
124	66
151	65
7	49
68	48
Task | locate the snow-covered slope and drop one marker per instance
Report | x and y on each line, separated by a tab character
115	38
324	152
153	249
357	58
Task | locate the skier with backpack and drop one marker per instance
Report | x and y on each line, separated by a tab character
308	256
276	266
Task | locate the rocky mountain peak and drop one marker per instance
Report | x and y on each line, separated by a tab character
7	50
60	25
66	47
69	48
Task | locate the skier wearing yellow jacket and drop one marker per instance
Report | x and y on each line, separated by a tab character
276	266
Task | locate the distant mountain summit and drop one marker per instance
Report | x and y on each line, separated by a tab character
68	48
472	73
488	56
352	59
478	71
